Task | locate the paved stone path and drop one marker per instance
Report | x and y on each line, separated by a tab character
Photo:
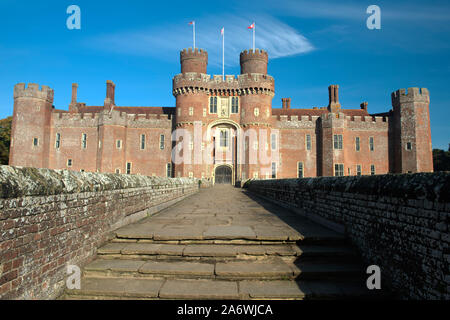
224	243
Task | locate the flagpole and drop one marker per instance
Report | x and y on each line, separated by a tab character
223	54
254	27
194	34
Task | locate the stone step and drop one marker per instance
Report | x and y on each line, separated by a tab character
132	288
217	252
270	268
189	233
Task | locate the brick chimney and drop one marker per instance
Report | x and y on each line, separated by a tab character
110	88
363	106
74	93
73	102
286	103
333	98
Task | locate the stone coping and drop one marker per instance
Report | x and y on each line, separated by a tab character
22	181
433	186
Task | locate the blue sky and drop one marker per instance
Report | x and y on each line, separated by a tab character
311	44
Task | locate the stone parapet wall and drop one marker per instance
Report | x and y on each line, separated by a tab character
398	222
53	218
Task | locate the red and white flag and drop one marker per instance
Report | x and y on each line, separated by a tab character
252	26
192	22
222	31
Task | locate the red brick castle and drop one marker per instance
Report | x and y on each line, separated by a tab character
224	129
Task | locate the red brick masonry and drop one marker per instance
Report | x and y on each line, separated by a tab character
53	218
398	222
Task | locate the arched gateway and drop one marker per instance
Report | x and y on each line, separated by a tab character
223	174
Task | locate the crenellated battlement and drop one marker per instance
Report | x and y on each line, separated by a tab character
33	91
295	122
257	54
193	60
254	61
74	119
413	94
191	82
188	53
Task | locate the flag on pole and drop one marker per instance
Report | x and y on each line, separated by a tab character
222	32
252	26
193	31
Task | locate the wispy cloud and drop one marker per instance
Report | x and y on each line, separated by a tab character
278	38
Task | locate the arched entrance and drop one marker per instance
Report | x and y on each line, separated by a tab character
223	175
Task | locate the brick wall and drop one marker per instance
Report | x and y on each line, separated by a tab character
51	218
398	222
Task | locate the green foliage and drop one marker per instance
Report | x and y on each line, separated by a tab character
441	160
5	139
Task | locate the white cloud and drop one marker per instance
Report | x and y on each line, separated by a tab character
279	39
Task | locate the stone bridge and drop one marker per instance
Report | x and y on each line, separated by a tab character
137	237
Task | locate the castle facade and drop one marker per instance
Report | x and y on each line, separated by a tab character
222	128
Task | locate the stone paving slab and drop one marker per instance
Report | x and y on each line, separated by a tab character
138	231
267	232
325	269
122	287
210	250
179	233
329	251
153	249
275	289
254	269
229	232
111	248
178	268
114	265
199	289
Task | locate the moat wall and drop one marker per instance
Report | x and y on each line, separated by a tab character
53	218
398	222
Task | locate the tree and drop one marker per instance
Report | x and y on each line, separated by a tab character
441	160
5	139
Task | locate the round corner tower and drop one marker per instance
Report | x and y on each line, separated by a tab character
412	132
257	91
254	61
31	125
193	60
191	90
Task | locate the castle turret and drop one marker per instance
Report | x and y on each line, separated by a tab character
193	60
412	133
191	91
257	91
254	61
30	130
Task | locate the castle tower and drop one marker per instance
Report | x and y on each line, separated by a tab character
30	130
193	60
254	61
257	91
191	91
412	133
